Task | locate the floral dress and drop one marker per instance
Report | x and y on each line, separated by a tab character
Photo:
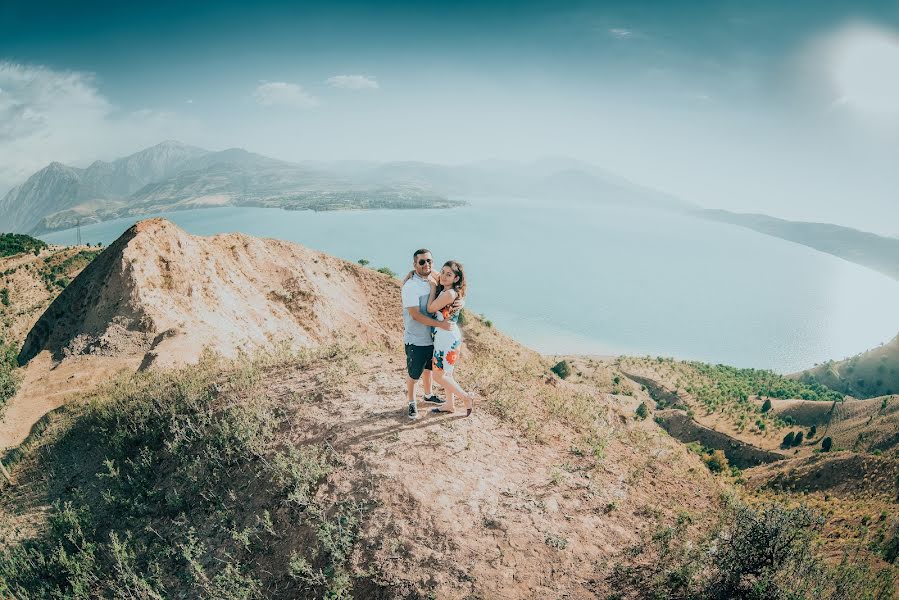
446	343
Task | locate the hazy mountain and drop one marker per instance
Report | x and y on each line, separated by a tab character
127	175
174	176
861	247
54	187
555	179
58	187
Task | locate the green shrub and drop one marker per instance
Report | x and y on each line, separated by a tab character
788	440
890	548
812	432
562	369
9	379
363	261
387	271
716	461
767	405
4	296
642	412
826	444
797	441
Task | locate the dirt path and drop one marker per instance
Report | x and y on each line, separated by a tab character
45	388
469	500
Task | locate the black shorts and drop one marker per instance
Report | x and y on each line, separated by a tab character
418	358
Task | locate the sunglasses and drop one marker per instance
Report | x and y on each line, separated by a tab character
424	261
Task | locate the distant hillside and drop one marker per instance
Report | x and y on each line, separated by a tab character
866	375
867	249
13	243
562	181
30	282
173	176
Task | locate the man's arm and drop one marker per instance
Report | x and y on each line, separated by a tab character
416	315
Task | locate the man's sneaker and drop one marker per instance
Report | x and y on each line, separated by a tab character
413	411
435	400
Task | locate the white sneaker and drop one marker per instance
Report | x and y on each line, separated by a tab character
413	410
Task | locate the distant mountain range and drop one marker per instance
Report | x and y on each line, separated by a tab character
174	176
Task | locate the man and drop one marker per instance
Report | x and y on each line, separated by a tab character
417	324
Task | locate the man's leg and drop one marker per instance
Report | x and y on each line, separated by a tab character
413	372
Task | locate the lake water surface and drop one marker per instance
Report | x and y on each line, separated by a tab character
603	280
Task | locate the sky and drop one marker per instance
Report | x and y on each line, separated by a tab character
790	109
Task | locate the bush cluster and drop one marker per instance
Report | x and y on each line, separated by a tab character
763	552
562	369
15	243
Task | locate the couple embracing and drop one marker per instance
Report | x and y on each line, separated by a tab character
431	306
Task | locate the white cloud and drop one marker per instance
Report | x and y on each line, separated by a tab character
353	82
280	93
854	71
621	33
48	115
865	70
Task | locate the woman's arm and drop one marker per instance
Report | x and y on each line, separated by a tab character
432	295
445	297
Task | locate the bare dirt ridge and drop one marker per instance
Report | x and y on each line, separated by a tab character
165	295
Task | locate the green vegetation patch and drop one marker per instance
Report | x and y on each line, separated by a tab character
16	243
178	485
758	552
57	270
9	380
724	389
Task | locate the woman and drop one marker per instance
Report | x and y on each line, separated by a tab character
446	300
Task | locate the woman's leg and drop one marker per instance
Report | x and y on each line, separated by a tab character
440	379
449	384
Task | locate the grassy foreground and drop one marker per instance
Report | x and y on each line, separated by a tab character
185	491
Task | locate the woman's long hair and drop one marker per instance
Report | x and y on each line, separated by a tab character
460	286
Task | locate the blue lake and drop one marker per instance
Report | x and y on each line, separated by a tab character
600	280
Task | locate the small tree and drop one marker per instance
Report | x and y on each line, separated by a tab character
561	368
826	444
812	432
387	271
767	405
716	461
797	441
788	440
642	412
363	261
